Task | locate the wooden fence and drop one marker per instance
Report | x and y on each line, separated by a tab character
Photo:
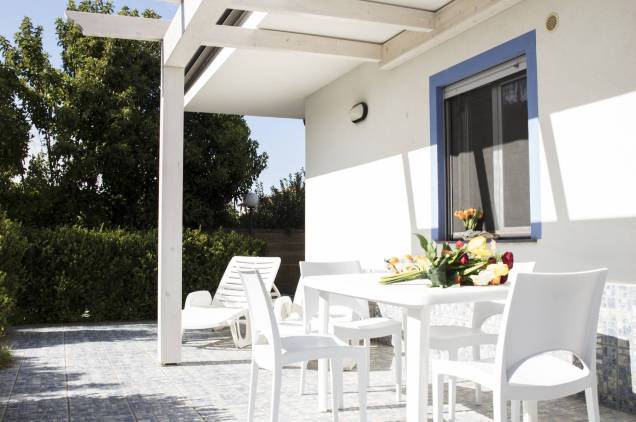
289	245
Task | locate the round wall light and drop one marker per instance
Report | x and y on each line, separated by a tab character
250	200
359	112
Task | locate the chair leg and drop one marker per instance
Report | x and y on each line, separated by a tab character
338	391
515	410
240	340
335	396
396	339
438	397
499	410
301	387
591	400
404	324
530	411
363	384
277	375
477	356
252	396
452	389
367	347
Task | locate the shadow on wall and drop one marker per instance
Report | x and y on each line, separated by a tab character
373	204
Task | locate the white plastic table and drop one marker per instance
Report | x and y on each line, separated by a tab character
412	295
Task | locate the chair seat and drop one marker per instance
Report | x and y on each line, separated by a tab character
445	337
538	371
367	328
298	348
202	317
296	326
546	371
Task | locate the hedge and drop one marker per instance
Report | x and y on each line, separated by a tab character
70	274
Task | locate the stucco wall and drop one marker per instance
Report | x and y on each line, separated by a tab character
369	185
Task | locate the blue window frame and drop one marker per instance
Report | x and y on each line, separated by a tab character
522	45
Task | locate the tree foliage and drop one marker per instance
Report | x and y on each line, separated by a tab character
97	119
284	206
14	128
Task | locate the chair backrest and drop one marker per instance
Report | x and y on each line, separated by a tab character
484	310
262	320
550	312
230	293
307	269
198	298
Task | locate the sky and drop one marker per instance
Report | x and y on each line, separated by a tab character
282	139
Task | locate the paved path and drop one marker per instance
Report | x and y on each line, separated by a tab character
108	372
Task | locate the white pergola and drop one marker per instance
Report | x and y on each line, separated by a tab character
404	31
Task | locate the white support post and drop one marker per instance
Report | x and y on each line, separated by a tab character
170	214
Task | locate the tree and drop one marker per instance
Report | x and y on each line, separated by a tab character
14	129
284	206
98	119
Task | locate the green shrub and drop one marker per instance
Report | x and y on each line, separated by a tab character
6	308
71	274
5	356
13	247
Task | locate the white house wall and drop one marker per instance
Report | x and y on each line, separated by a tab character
369	185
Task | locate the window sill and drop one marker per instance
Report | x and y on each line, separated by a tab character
506	239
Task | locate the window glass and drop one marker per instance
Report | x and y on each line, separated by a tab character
487	155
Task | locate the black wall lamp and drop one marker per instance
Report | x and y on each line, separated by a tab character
359	112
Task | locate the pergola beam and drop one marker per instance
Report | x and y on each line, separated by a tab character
183	37
404	18
115	26
236	37
451	20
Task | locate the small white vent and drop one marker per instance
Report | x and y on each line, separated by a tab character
552	22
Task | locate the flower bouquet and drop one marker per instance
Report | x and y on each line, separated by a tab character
470	217
473	263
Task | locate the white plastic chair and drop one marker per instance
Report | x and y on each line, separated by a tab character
272	351
229	305
352	322
454	337
544	313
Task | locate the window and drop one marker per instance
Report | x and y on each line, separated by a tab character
487	150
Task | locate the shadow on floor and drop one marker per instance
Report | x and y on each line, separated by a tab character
112	407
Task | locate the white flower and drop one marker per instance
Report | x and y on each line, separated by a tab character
483	278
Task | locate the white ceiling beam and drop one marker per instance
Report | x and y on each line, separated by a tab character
451	20
236	37
351	10
115	26
183	36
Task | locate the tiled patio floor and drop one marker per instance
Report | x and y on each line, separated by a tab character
109	373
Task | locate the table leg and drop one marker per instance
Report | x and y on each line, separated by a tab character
323	315
417	362
530	411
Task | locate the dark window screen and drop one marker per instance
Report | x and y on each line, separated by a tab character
487	155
